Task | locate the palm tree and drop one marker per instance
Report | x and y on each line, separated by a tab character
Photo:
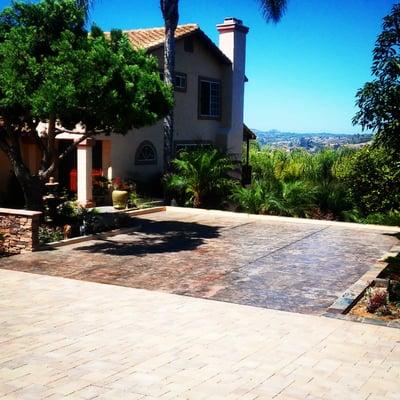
202	175
272	10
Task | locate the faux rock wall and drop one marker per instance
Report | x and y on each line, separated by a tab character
19	230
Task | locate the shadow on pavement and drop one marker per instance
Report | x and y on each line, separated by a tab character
155	237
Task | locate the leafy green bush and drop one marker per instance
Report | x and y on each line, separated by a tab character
295	183
372	176
201	177
49	234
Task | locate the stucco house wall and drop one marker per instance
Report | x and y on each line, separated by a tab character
189	127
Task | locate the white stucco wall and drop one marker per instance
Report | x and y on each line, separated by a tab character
188	127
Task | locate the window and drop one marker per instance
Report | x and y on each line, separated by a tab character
209	98
180	81
146	154
188	146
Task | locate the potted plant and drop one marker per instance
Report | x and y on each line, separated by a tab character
120	193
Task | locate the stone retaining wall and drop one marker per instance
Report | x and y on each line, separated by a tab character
19	230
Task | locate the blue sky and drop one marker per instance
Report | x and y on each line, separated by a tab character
303	72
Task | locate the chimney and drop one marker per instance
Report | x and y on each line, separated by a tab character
232	42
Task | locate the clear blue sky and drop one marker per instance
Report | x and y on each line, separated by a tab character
303	72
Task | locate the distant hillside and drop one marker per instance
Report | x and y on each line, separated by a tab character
309	141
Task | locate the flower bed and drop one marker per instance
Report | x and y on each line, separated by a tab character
381	300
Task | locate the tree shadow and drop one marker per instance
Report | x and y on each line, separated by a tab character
154	238
396	235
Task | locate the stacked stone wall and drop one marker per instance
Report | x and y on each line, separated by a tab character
19	231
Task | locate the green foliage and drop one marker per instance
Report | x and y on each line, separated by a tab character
201	176
295	183
378	100
372	176
51	66
49	234
53	71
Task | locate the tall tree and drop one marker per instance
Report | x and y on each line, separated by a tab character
54	76
379	100
272	10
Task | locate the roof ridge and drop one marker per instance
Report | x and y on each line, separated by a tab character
159	27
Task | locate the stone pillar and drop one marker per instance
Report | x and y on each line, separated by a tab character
84	171
19	230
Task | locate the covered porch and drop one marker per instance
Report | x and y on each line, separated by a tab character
92	158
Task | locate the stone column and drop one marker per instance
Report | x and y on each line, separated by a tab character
19	230
84	171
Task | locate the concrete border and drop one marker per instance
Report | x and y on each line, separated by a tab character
266	218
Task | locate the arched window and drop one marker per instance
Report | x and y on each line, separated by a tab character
146	154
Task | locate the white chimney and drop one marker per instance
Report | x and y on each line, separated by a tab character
232	42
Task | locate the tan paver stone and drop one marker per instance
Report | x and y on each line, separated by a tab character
80	340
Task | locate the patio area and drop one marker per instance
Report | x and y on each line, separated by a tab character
63	338
278	263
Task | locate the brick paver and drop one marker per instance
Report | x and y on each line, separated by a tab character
292	265
63	338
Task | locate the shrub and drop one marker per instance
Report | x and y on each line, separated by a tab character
372	176
201	177
49	234
296	183
376	298
390	218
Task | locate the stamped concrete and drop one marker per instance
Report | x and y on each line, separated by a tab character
284	264
63	338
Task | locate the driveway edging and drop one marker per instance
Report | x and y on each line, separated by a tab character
349	298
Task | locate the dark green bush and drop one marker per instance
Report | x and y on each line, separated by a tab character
201	177
372	176
49	234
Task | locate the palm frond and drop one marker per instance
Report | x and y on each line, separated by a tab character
273	10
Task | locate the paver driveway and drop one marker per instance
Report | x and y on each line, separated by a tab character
273	263
69	339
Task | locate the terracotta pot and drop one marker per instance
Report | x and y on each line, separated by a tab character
119	199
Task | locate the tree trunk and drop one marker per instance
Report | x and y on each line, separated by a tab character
33	193
170	13
31	185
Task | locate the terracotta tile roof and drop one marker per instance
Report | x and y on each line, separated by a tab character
154	37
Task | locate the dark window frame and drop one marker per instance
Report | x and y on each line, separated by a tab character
142	145
180	74
184	77
185	145
199	113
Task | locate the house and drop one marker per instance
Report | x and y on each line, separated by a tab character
209	94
